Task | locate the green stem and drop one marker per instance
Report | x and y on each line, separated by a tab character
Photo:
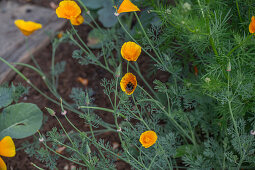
88	12
239	45
166	113
202	11
78	163
141	118
36	166
238	10
148	39
137	70
53	65
75	147
127	66
97	108
123	27
232	117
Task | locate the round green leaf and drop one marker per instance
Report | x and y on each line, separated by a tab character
106	16
96	38
5	97
20	120
93	4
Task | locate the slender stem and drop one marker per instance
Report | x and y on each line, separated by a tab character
232	117
88	12
166	113
97	108
94	138
36	166
53	65
148	39
44	143
75	147
137	70
123	27
141	118
238	10
127	66
239	45
202	11
152	161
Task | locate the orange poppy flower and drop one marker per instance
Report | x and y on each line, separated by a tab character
148	138
127	6
27	27
130	51
128	83
252	25
68	9
195	70
7	149
77	21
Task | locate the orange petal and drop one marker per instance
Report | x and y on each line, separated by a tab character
2	164
77	21
195	70
252	25
127	6
7	147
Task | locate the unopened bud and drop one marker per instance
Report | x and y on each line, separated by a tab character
51	112
252	132
88	149
117	73
87	99
229	66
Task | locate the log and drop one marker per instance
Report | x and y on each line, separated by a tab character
14	46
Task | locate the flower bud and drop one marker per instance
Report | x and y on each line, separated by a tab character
229	66
51	112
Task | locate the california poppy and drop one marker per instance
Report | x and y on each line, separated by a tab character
68	9
127	6
130	51
128	83
252	25
77	21
148	138
27	27
7	149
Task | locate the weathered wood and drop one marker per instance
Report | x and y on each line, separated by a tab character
14	46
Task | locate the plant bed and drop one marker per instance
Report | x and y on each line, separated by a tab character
162	86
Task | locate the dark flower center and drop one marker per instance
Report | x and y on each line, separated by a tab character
129	86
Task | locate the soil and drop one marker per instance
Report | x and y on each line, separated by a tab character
67	80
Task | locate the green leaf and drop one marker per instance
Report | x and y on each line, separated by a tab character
20	120
96	38
106	15
5	97
183	150
93	4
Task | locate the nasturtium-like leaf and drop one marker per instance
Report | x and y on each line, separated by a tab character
5	97
96	38
106	16
20	120
93	4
